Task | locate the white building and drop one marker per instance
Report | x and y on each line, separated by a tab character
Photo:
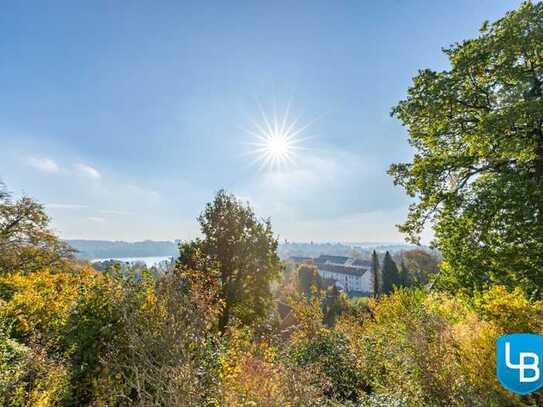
351	275
354	276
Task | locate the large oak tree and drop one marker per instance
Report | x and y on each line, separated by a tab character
477	174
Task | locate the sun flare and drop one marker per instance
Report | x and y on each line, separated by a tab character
277	141
278	145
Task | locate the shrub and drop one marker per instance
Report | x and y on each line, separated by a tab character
510	310
28	376
164	350
93	326
329	354
254	373
39	304
324	351
431	349
12	356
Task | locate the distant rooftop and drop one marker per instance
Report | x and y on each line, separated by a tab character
336	264
331	259
341	269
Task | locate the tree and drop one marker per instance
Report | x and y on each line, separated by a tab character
423	266
404	276
309	280
240	252
376	274
333	305
391	276
477	174
26	243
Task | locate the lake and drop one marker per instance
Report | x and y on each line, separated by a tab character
149	261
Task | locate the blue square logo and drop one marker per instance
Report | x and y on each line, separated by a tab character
519	362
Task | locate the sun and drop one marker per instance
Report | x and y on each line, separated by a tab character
278	145
277	141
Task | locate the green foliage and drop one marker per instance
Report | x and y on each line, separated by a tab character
390	275
329	354
309	280
377	274
313	287
404	276
334	304
382	400
34	379
92	326
422	267
160	350
357	306
509	311
241	252
433	349
254	373
32	342
478	169
39	304
12	357
86	338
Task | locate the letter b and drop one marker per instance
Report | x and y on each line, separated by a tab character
534	367
522	366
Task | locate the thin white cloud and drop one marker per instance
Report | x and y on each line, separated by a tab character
114	212
64	206
87	171
96	219
43	164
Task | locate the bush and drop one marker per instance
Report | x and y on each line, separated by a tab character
28	376
163	350
325	352
433	349
510	311
12	356
93	326
329	354
254	373
39	304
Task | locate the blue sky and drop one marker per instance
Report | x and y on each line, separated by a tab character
124	118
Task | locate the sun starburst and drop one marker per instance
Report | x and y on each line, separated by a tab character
277	141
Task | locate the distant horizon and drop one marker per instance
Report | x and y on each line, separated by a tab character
114	249
281	241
